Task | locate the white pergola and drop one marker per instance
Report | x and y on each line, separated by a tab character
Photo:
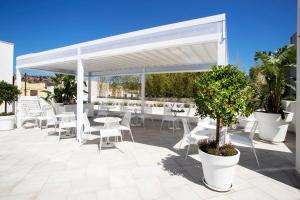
189	46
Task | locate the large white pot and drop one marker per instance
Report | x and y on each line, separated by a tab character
272	127
7	122
218	170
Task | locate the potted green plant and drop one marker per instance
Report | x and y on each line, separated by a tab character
8	95
223	95
269	76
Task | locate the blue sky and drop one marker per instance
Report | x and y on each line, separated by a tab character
252	25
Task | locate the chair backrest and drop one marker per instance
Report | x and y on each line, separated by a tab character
86	110
86	122
186	128
253	130
69	116
148	110
51	118
167	111
126	119
188	112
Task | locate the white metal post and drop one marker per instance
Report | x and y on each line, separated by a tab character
143	85
298	93
80	79
90	88
222	46
19	85
222	51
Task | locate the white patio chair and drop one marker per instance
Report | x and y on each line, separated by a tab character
245	141
67	123
146	115
87	128
102	111
110	131
51	120
168	116
125	124
48	112
193	137
30	111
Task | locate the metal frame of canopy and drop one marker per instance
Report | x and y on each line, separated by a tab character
187	46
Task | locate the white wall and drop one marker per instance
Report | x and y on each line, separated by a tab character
6	65
6	61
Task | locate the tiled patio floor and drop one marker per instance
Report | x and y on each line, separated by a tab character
36	166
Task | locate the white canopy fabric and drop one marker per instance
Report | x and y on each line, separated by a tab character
187	46
180	47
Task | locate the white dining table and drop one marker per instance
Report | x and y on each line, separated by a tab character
107	120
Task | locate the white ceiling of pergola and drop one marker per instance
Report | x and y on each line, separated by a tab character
181	47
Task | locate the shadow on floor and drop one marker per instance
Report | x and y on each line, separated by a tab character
277	165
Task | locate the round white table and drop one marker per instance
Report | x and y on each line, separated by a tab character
206	125
108	121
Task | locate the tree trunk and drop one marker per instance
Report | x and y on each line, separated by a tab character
218	132
5	107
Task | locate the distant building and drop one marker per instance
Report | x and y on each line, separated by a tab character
6	61
6	65
36	85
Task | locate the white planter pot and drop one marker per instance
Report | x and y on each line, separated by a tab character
7	122
290	106
271	127
218	170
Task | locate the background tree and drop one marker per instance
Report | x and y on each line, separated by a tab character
174	85
131	84
8	94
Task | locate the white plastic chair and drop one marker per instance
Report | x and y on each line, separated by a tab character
51	119
30	114
112	130
146	115
193	137
87	128
102	111
125	124
168	116
245	141
48	112
67	123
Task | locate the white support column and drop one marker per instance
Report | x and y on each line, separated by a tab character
143	85
222	46
19	85
298	93
80	79
222	51
90	88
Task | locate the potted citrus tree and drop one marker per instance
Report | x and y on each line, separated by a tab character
8	95
269	76
224	94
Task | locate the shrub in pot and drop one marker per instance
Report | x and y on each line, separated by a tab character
269	76
8	95
224	94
